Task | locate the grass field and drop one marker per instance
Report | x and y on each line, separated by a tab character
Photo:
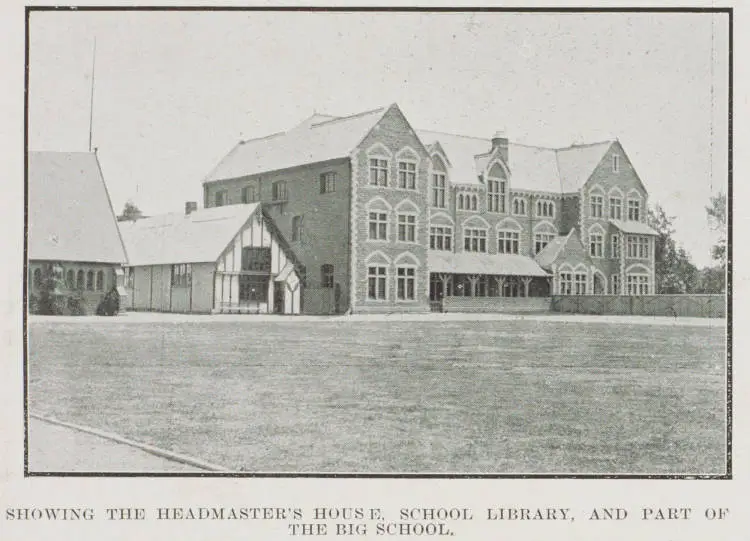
348	396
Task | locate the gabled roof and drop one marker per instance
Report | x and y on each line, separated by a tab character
533	168
199	237
576	163
317	139
460	151
549	253
637	228
70	213
478	263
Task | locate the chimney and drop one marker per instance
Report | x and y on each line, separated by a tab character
190	207
500	140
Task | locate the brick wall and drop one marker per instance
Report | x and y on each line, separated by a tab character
570	213
324	238
496	304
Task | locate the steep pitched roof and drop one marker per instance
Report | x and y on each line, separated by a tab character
576	163
533	168
70	213
317	139
460	151
199	237
325	137
478	263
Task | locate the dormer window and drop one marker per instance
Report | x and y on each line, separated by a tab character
495	195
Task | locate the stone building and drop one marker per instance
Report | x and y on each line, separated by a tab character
383	217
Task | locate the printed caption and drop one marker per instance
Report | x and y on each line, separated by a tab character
364	521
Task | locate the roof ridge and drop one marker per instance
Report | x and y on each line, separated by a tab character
178	214
485	139
349	117
243	141
583	145
510	141
525	145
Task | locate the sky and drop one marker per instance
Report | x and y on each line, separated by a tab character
175	91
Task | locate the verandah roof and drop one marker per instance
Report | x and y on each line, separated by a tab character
478	263
629	226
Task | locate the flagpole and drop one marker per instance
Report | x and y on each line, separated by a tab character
91	104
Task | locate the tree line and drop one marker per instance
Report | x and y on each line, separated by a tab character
675	272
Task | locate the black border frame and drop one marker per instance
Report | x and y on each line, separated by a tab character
344	9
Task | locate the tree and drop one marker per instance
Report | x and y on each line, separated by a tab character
717	218
674	271
711	280
130	212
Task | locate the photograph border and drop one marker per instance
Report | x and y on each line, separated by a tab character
405	9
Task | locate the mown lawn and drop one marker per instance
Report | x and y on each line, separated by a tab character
338	396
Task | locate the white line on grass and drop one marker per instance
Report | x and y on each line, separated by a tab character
163	453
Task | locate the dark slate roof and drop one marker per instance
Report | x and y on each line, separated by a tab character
70	213
198	237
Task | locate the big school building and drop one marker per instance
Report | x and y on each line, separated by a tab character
381	217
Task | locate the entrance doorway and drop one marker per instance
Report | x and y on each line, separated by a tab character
278	298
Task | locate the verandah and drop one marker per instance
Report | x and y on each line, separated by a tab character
486	285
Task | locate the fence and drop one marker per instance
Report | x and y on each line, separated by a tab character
644	305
